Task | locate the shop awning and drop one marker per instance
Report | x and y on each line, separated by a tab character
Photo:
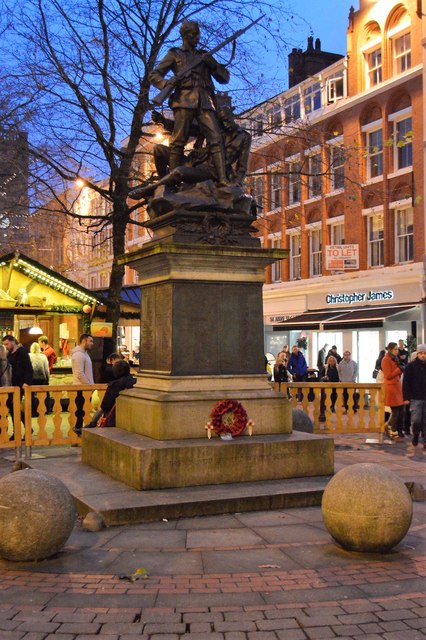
368	316
309	320
326	319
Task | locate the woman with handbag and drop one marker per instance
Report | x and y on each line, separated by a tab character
392	371
5	371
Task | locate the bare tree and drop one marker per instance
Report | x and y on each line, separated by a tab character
86	64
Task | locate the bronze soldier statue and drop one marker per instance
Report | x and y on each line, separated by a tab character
193	97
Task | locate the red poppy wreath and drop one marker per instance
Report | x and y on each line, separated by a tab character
228	416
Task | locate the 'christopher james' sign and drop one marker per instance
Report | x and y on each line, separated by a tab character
351	298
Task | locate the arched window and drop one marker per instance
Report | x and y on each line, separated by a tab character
373	57
399	36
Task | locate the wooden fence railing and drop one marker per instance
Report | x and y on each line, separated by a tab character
340	407
46	415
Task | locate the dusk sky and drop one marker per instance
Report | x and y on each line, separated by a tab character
328	20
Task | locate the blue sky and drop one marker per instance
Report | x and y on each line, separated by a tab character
328	20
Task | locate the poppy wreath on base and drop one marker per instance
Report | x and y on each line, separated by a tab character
229	416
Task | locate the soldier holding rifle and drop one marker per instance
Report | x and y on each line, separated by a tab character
193	96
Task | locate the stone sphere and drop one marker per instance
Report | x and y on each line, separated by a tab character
37	515
367	508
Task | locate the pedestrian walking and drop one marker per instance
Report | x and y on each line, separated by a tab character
82	371
348	372
5	370
414	392
322	357
392	371
298	368
22	371
48	351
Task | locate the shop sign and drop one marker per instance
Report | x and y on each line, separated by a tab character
339	257
354	296
273	319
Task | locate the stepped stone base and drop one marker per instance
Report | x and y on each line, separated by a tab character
144	463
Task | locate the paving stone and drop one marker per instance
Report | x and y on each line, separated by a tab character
237	625
278	623
200	627
168	628
291	634
122	627
201	617
396	614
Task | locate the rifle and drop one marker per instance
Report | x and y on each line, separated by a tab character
166	91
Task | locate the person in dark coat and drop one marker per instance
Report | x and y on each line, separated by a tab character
331	375
298	368
22	370
322	357
122	380
333	352
414	391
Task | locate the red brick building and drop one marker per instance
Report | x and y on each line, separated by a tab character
337	166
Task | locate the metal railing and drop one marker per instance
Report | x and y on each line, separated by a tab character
339	407
45	415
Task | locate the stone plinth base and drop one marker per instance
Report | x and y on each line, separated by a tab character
144	463
167	408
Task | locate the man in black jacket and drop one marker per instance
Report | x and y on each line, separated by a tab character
22	370
414	392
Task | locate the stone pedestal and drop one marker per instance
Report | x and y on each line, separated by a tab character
201	342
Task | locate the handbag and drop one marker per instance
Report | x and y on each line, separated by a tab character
104	419
375	372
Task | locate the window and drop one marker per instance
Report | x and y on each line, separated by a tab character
374	153
294	187
337	167
312	98
375	241
274	118
403	145
258	190
337	233
315	173
275	193
315	252
292	108
374	67
295	256
257	126
335	87
276	266
402	53
404	235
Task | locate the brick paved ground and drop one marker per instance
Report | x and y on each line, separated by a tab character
273	575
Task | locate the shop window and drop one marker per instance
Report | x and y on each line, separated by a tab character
295	256
403	145
375	234
312	98
292	108
374	67
402	53
337	167
258	190
315	174
294	185
337	233
276	266
374	153
315	252
404	249
275	191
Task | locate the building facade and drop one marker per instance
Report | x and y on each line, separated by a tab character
337	167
